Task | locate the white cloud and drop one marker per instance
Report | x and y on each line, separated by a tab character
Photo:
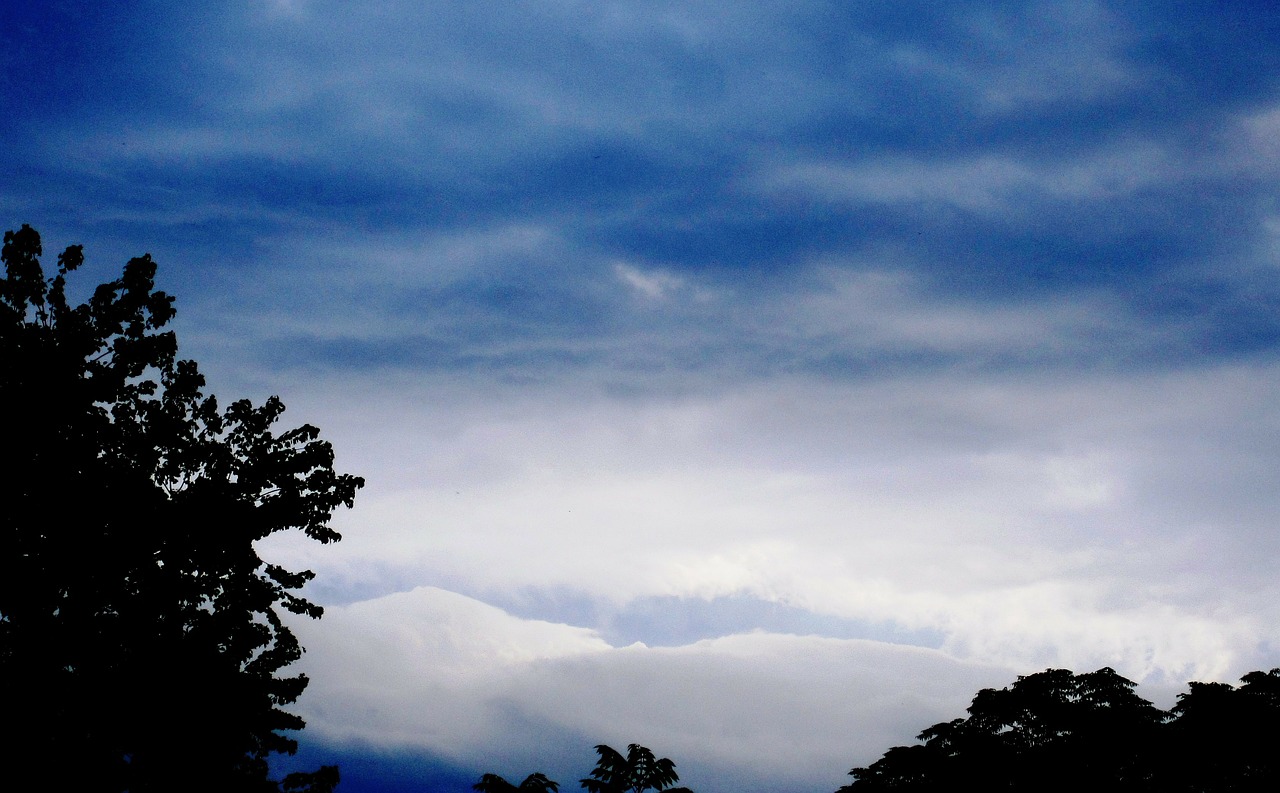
422	668
654	284
1256	139
987	183
431	670
867	311
1032	521
1011	59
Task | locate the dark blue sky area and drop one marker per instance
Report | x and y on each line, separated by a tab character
1002	154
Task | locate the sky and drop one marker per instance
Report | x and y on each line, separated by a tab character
754	381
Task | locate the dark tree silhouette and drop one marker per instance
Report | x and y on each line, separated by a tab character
1049	731
492	783
1058	731
640	770
1223	738
141	642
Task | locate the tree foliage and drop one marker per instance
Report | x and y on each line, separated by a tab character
1224	738
141	640
492	783
1059	731
638	771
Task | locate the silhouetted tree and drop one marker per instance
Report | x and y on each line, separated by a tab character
640	770
141	642
1050	731
1057	731
1225	739
492	783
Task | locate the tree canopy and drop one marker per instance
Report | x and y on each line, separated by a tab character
1059	731
141	640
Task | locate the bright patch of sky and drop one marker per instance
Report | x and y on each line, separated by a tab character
751	380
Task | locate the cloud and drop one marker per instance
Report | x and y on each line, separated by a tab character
989	184
414	668
530	300
869	313
1029	521
430	670
1025	56
454	95
652	285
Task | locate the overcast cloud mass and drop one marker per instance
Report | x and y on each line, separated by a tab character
751	380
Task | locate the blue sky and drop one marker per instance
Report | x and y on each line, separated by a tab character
754	381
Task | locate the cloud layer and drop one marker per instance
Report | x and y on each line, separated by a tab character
441	672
